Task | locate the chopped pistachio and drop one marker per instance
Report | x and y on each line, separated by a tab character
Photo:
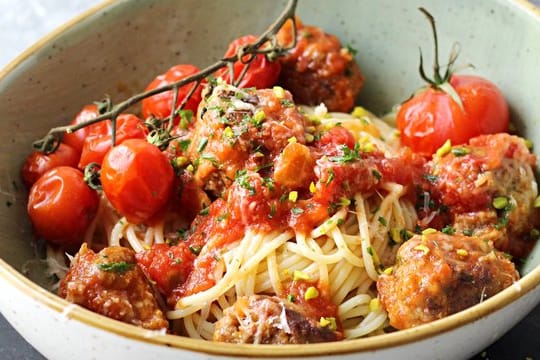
293	196
329	322
462	252
311	293
444	149
500	202
279	92
374	305
422	248
395	235
359	112
300	275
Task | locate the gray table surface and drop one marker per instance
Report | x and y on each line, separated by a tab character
22	22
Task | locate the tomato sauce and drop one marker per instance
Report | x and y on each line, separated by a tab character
317	307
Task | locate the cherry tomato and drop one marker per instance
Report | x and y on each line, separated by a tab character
38	163
99	138
431	117
61	206
76	139
137	179
160	104
168	266
261	74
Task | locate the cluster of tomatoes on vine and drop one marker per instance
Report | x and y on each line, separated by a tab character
136	176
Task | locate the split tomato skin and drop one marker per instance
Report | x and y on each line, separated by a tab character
261	74
432	116
38	163
61	206
99	139
137	179
76	138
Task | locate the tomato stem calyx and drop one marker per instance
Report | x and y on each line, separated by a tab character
92	174
440	81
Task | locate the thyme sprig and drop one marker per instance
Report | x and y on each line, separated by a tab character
267	44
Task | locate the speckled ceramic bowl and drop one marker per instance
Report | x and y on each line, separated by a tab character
118	47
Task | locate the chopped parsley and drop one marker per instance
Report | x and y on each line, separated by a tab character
186	116
431	178
331	176
195	249
116	267
297	211
202	144
184	144
448	230
286	103
460	151
349	155
351	50
242	178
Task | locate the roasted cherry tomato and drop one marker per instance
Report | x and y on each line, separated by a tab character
433	116
160	104
137	179
452	107
38	163
61	206
168	266
99	138
76	139
261	74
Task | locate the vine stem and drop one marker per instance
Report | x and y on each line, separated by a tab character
51	141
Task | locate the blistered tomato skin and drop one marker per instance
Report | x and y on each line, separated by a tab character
432	116
99	139
137	179
61	206
76	138
38	163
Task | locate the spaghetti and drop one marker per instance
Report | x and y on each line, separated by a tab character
344	254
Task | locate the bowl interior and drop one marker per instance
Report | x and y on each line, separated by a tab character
118	49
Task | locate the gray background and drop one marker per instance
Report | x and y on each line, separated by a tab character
22	22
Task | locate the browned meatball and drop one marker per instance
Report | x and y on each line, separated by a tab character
437	275
111	284
241	129
319	69
262	319
489	189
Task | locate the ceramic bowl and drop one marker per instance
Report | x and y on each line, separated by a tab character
117	47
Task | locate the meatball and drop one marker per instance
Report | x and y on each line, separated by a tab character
241	129
110	283
488	187
319	69
436	275
260	319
